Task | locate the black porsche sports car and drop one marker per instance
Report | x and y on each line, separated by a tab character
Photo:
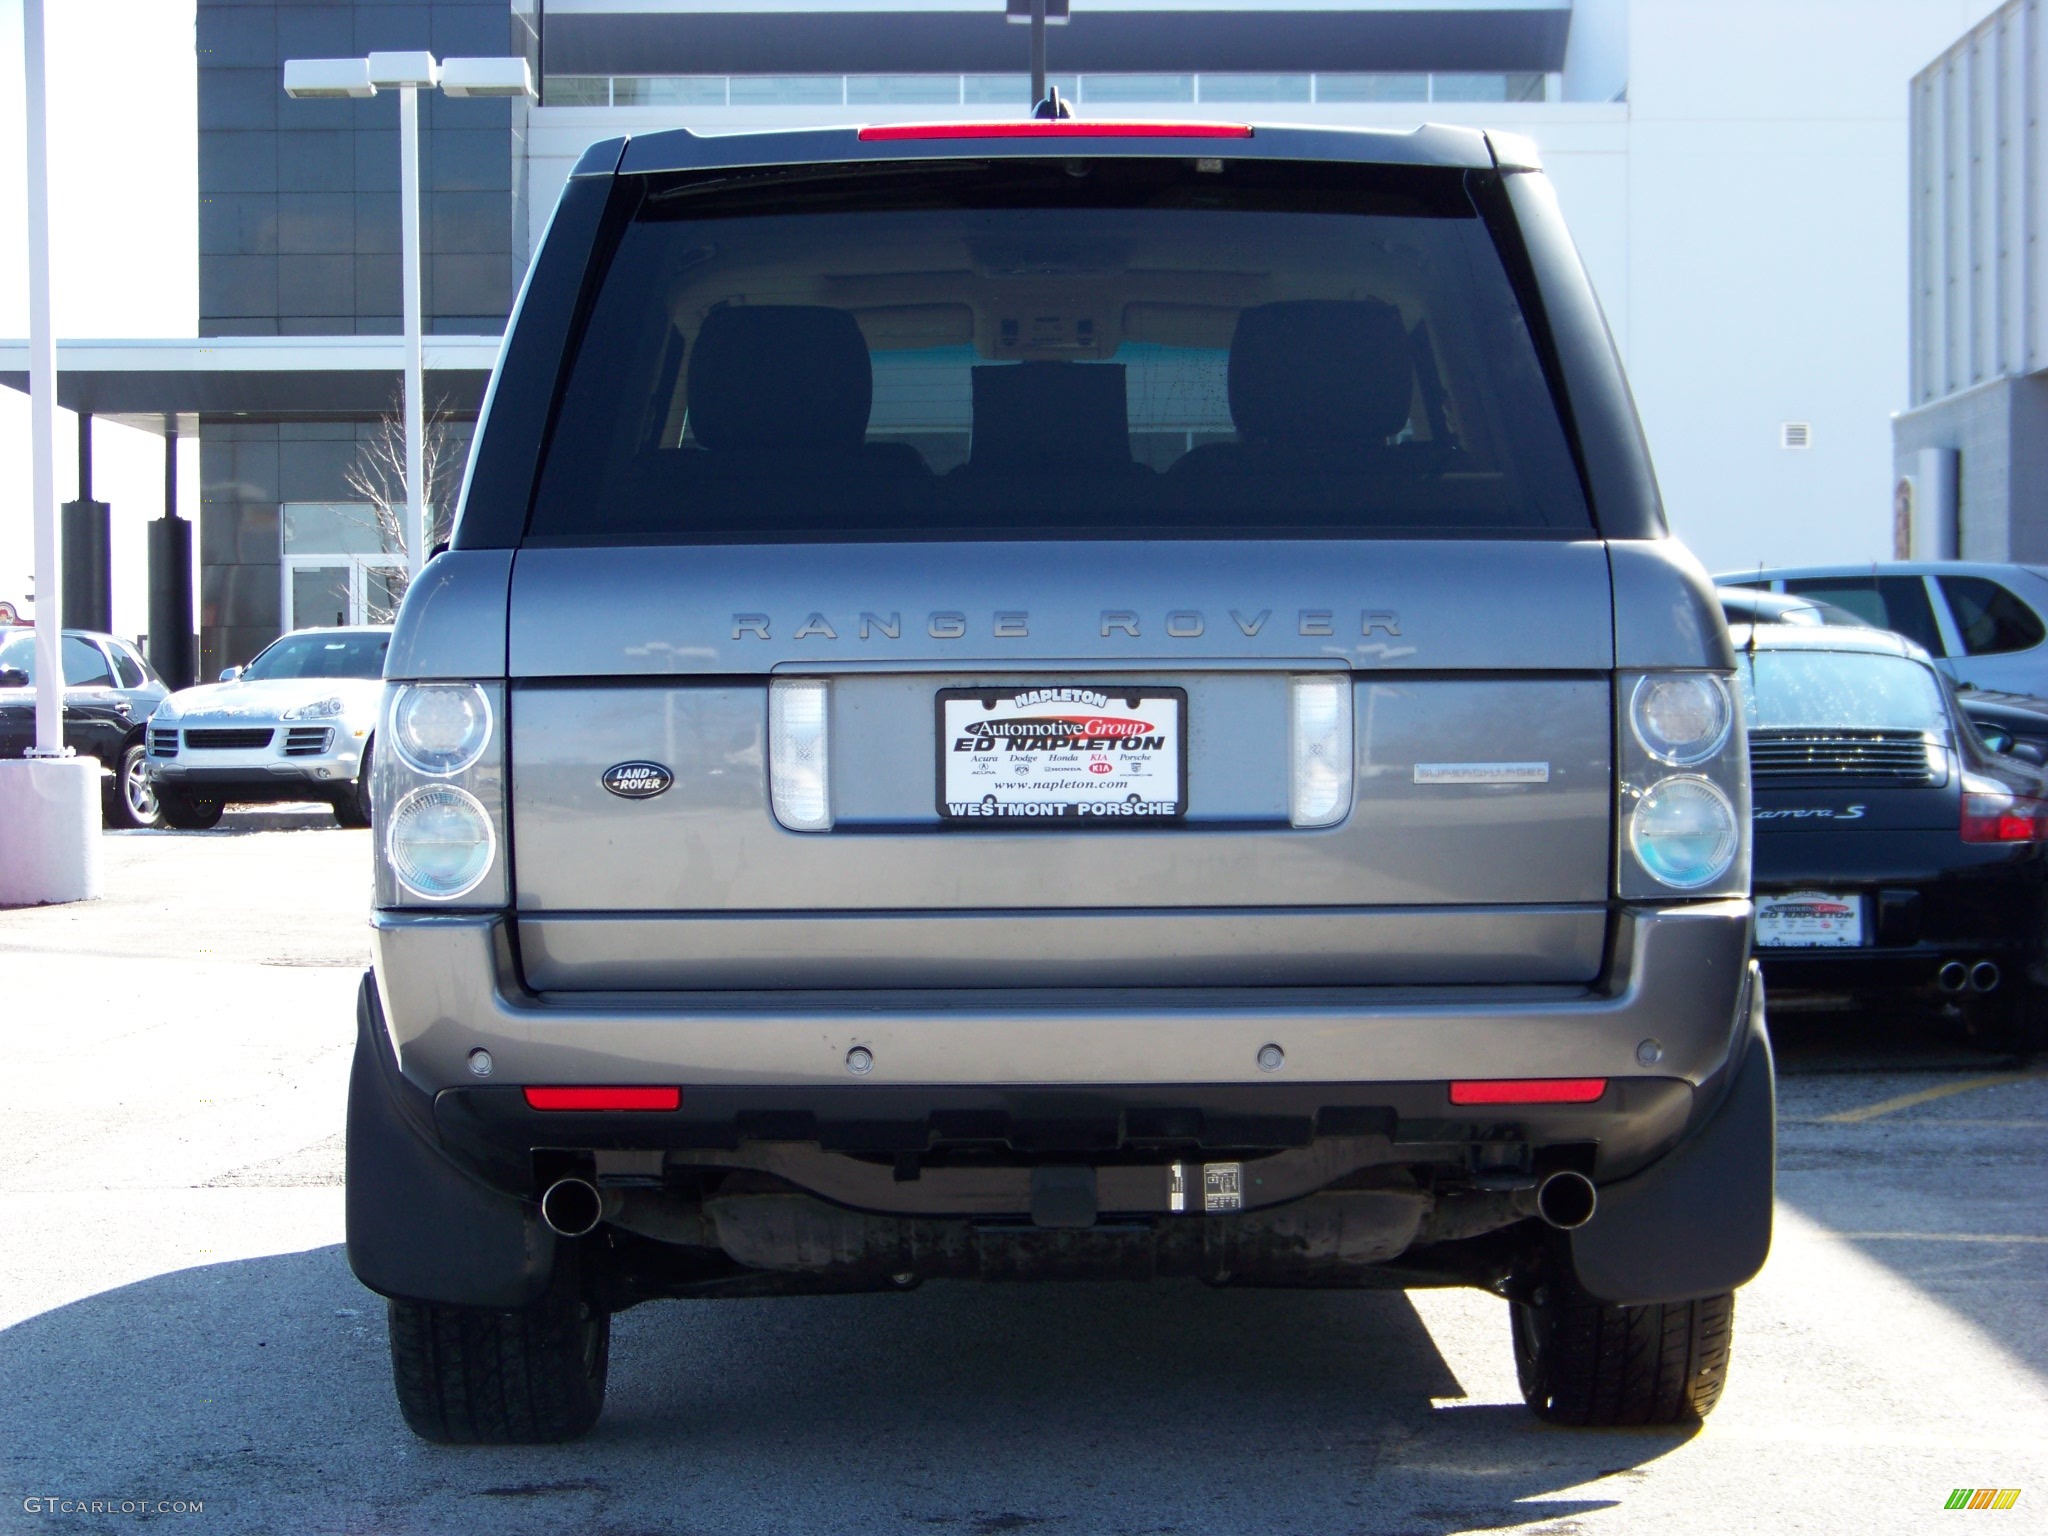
1898	860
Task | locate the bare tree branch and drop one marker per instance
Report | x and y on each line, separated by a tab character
378	477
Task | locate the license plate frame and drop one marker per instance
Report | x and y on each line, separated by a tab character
1782	925
988	798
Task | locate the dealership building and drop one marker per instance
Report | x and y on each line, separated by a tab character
1735	172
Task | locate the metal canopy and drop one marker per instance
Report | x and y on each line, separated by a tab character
158	385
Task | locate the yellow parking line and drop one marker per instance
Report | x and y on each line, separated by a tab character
1947	1237
1926	1096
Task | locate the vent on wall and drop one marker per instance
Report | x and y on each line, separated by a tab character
1795	434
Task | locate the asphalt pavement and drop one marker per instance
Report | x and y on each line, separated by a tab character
178	1324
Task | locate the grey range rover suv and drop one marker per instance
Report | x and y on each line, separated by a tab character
1055	700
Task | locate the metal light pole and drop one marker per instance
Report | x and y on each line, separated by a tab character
1038	13
408	74
42	374
49	799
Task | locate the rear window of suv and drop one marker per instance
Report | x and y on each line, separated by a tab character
1042	349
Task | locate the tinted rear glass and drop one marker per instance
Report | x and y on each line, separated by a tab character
1116	348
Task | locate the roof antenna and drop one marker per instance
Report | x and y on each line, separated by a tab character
1044	102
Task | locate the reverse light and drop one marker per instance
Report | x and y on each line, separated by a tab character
1528	1090
1319	789
440	842
440	728
604	1098
1681	718
1055	128
799	743
2000	818
1684	831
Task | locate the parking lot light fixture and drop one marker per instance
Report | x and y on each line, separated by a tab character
408	73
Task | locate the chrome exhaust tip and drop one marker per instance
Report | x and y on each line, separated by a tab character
1984	976
1953	977
1567	1200
572	1207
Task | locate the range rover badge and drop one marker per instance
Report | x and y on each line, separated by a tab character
637	781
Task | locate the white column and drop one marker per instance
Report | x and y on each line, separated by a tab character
42	375
49	803
409	264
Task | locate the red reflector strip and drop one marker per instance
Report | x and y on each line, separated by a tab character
1529	1090
1056	128
604	1098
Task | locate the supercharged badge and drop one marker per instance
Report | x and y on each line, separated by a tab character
637	781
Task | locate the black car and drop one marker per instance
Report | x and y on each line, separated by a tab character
1898	860
110	690
2014	724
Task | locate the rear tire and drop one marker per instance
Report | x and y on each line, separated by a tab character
189	813
1586	1363
468	1376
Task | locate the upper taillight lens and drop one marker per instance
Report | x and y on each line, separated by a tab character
440	728
1991	818
1681	717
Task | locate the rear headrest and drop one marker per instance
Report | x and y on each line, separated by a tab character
780	378
1321	373
1049	418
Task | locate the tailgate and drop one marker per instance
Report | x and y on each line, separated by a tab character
1459	653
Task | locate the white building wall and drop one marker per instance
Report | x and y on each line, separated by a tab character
1767	270
1743	213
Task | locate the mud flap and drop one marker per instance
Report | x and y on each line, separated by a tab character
1697	1222
418	1226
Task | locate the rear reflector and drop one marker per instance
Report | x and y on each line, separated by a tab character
1056	128
604	1098
1529	1090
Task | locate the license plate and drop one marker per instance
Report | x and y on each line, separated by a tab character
1809	920
1062	754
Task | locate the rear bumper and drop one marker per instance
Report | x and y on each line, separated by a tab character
448	984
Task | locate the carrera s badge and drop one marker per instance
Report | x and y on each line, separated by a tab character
637	781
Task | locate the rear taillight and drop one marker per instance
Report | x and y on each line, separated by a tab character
1992	818
1683	787
438	784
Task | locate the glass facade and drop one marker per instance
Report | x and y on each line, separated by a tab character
1100	90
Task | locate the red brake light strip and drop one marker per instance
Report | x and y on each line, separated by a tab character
1056	128
604	1098
1529	1090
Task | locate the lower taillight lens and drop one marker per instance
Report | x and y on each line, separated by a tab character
799	743
440	842
2004	819
1319	794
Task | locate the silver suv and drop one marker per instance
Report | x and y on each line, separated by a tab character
1058	701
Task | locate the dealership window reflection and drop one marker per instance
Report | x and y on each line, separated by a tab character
341	565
